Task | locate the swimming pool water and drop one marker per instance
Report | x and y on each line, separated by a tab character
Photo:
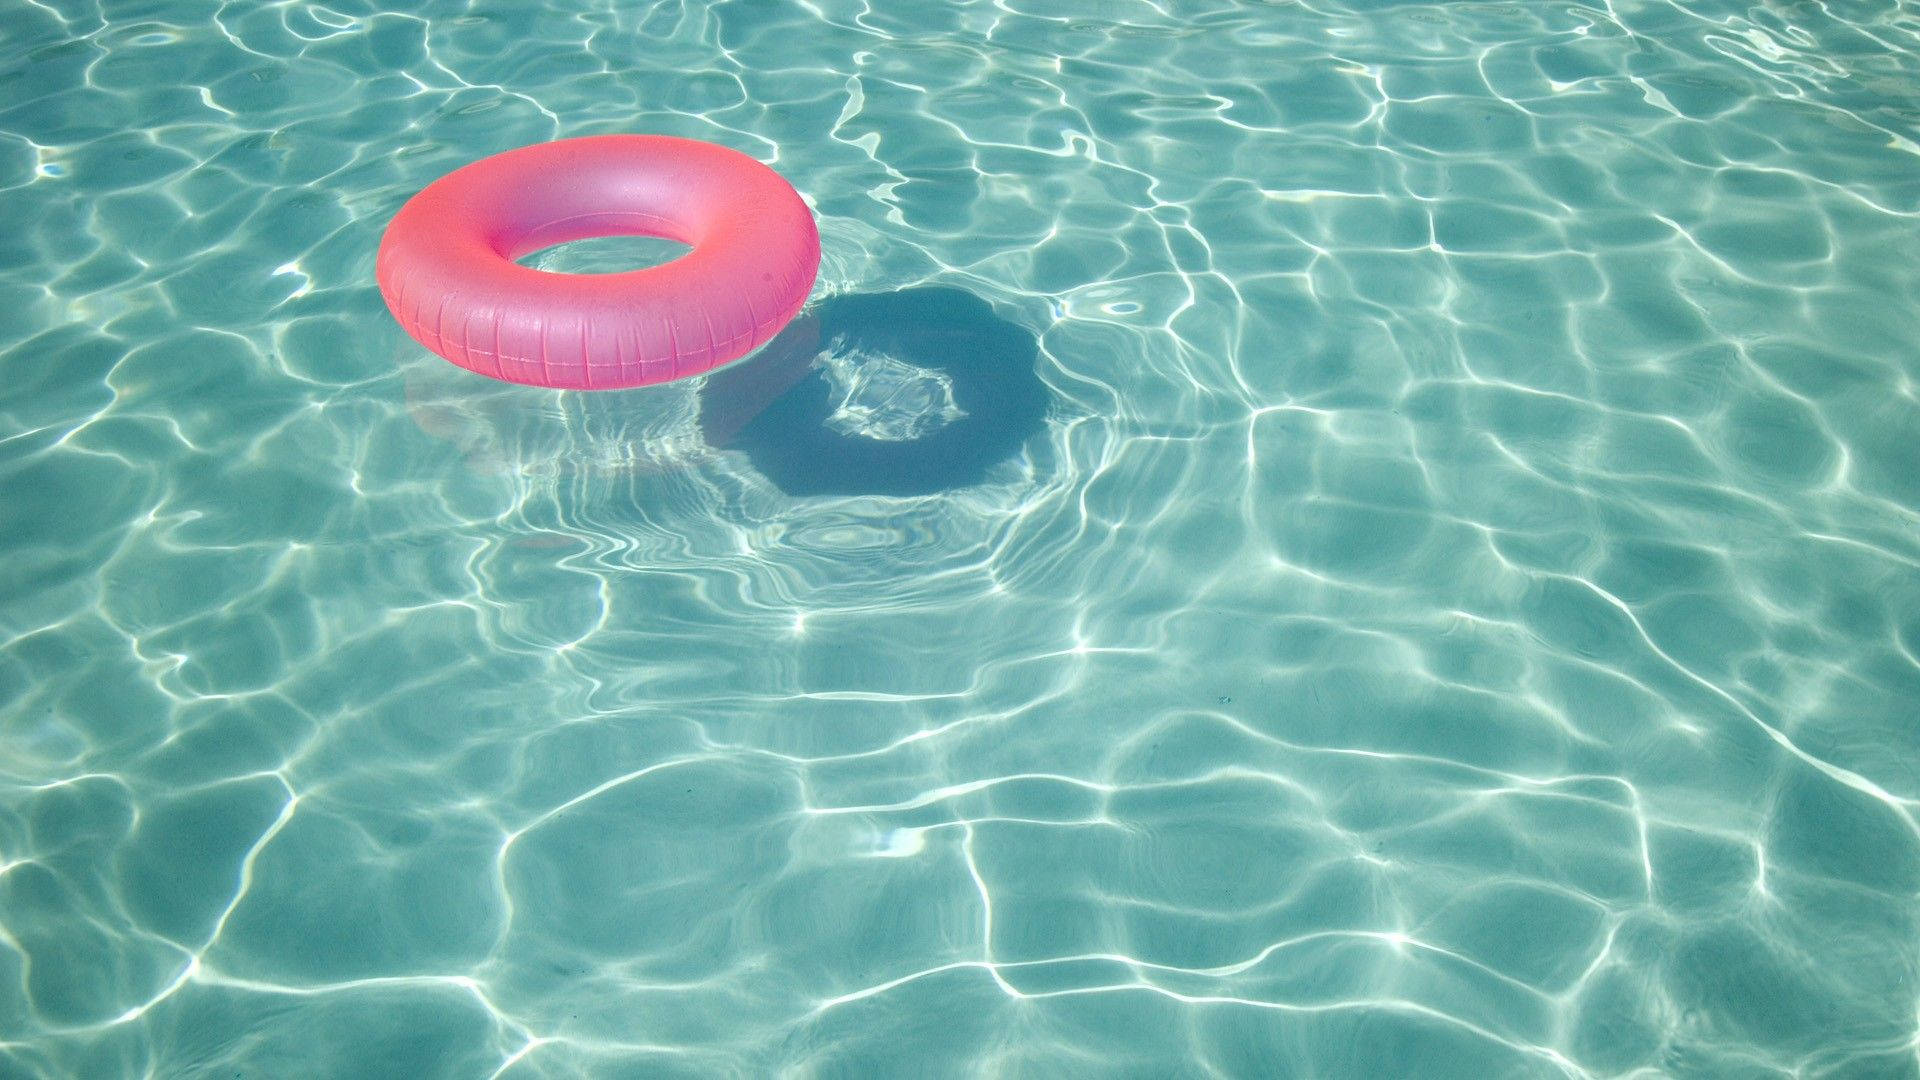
1459	618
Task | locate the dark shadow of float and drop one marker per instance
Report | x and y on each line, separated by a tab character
775	407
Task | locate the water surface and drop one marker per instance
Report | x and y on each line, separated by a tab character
1456	618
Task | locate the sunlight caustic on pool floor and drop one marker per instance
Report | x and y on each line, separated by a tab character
1446	605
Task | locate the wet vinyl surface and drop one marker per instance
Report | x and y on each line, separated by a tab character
1433	593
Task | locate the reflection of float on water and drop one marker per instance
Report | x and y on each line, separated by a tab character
502	429
837	404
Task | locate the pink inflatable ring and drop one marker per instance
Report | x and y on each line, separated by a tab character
447	269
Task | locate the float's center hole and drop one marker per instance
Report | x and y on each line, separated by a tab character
877	396
605	255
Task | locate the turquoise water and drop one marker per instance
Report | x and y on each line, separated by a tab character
1458	618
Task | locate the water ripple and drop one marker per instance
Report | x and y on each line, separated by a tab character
1460	610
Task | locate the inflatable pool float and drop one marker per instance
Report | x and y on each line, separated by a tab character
447	272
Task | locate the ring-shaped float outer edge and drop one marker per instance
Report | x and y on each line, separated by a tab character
447	272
